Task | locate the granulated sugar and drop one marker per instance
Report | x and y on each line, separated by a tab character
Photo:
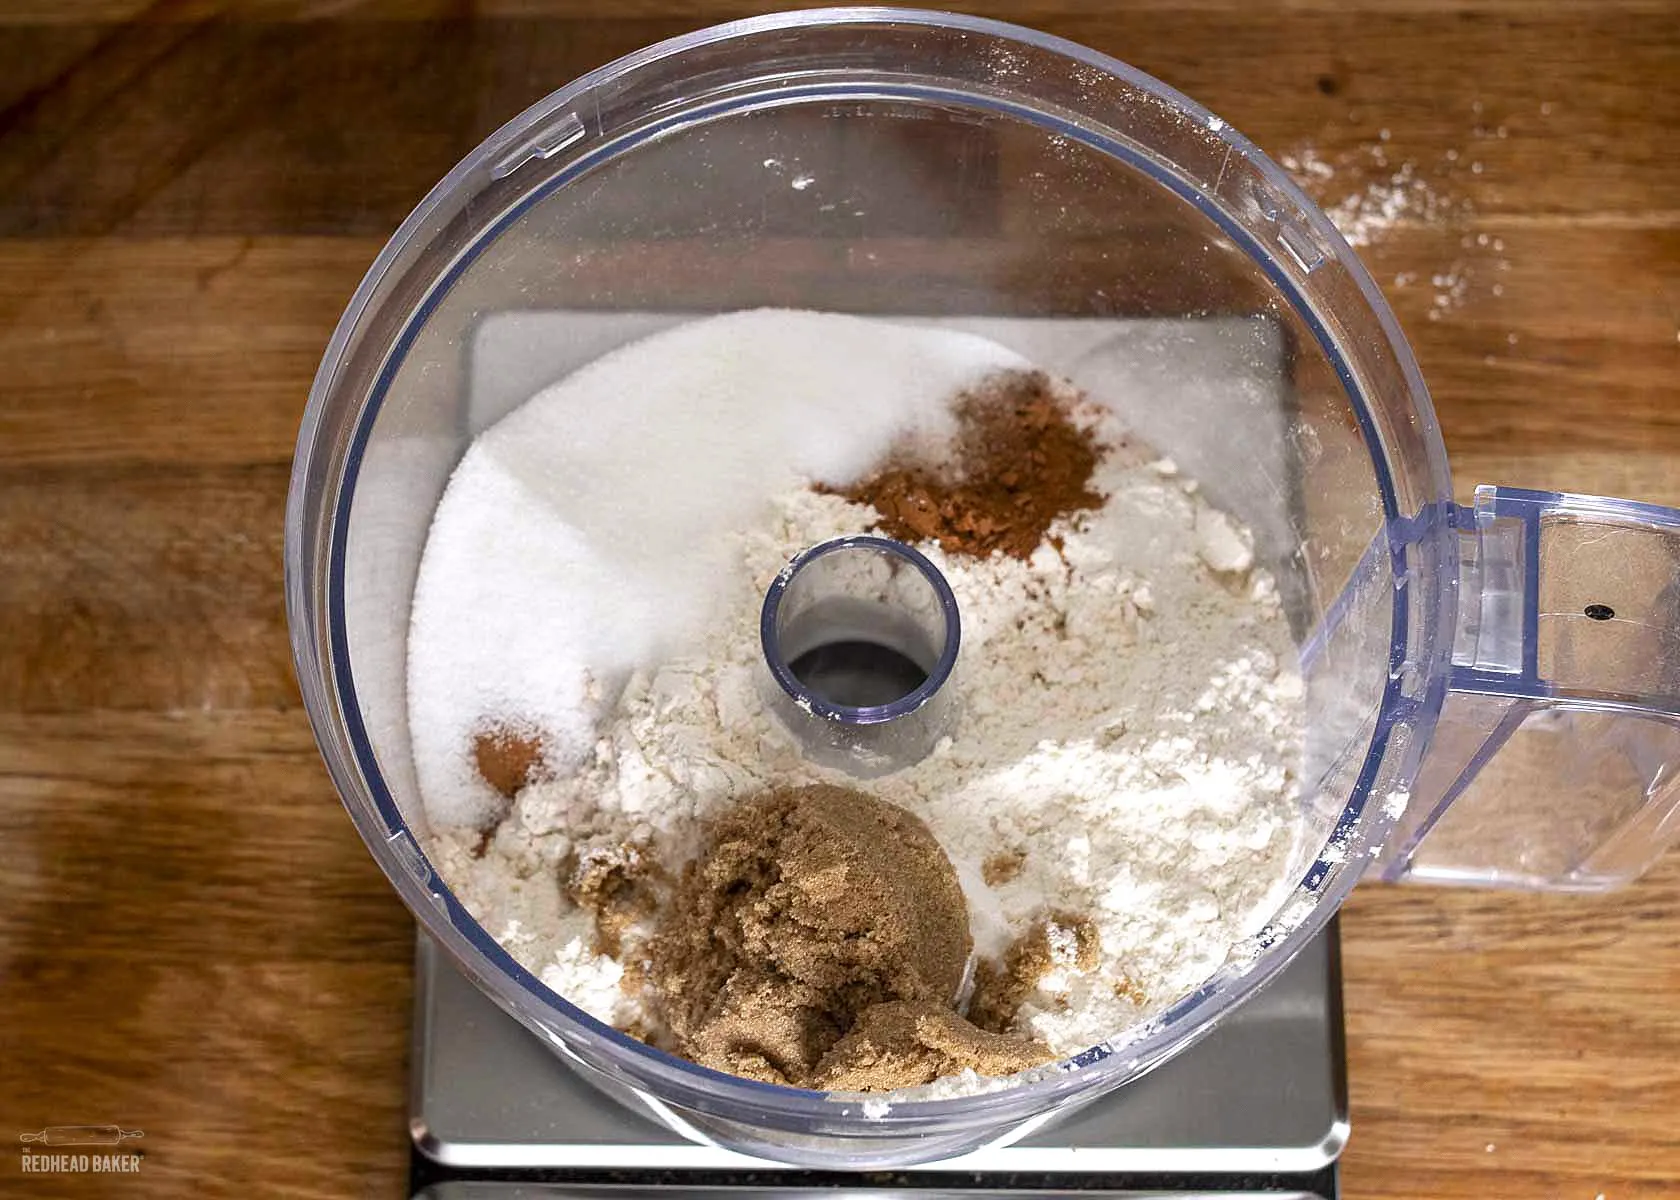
1125	749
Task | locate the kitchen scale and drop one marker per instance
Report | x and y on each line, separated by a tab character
1257	1109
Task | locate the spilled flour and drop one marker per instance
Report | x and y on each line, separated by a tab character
1420	209
1125	747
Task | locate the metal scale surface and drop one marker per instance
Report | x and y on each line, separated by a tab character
1256	1109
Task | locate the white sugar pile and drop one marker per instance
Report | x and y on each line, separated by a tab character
583	535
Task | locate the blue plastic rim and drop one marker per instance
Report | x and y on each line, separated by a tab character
872	714
321	642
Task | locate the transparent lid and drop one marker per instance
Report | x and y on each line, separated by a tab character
914	166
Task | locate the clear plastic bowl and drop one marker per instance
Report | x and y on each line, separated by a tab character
906	164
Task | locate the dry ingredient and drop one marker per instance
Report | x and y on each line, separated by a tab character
1018	464
1118	800
809	910
1372	194
906	1044
1061	940
584	536
508	758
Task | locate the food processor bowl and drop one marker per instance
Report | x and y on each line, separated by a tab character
914	166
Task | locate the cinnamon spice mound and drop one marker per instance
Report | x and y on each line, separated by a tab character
1019	462
508	759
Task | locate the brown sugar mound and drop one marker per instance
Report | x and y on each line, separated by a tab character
999	988
809	906
1019	463
910	1043
810	910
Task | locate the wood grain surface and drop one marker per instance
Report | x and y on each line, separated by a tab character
193	941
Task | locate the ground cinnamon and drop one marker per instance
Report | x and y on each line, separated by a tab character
1019	462
508	759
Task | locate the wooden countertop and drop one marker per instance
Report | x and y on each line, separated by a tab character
193	941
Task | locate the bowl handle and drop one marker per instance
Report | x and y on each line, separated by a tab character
1555	765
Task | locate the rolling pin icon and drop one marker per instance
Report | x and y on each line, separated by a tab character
81	1135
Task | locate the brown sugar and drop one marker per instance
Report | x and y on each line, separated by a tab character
618	885
1128	989
909	1043
809	909
1000	987
1002	867
1019	462
808	906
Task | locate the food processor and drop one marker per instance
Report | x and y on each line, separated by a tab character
1492	691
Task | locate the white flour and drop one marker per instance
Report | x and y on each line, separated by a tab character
1128	723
